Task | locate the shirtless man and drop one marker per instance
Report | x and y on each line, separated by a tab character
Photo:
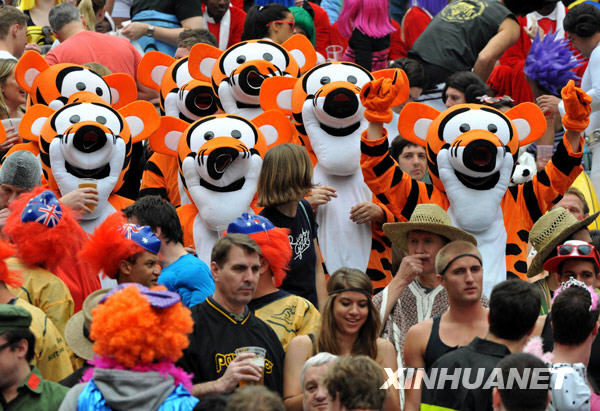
460	272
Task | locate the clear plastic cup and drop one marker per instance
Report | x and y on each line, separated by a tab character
258	359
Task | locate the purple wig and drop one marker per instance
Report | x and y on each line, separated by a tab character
550	62
432	6
371	17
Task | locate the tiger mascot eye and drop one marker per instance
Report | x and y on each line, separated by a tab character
328	115
53	85
220	158
89	142
471	150
238	73
181	96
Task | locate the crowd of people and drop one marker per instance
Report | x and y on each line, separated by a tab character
299	205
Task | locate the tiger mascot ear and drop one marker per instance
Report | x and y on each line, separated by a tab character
152	69
414	122
2	133
202	60
29	66
32	122
32	147
529	121
275	127
123	89
165	139
398	76
276	94
142	119
300	47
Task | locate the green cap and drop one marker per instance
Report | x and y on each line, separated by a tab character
13	318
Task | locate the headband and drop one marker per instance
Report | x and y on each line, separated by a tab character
343	290
456	258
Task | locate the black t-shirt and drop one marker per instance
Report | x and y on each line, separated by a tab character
216	336
182	9
456	35
300	278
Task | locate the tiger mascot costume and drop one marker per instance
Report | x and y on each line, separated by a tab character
88	142
183	97
328	116
238	73
220	158
471	150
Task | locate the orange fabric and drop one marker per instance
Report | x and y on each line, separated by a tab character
521	205
160	178
187	214
577	107
377	97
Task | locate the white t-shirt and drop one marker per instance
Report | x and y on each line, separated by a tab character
5	55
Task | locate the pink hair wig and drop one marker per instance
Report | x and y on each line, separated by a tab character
371	17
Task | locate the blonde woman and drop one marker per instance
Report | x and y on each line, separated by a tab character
349	326
285	178
12	100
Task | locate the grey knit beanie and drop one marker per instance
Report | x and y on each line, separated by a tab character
21	169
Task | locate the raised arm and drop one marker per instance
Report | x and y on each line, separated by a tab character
507	35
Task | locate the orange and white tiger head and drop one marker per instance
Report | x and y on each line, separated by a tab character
479	140
237	73
53	85
180	95
327	111
220	158
88	141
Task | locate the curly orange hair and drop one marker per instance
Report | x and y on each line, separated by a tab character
126	328
38	245
8	277
107	246
275	248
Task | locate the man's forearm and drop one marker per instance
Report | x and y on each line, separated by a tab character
205	388
483	68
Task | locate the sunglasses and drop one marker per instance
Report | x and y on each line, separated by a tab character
569	249
292	23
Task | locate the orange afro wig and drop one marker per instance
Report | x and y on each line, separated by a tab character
126	328
6	276
107	247
37	244
275	248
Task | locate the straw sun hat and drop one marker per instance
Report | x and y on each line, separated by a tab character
550	230
79	325
426	217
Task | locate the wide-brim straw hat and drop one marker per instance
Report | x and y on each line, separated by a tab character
550	230
426	217
79	324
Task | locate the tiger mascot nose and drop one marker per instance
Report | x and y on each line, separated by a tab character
477	150
217	154
89	136
251	75
340	99
200	99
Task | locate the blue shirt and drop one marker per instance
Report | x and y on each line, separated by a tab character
189	277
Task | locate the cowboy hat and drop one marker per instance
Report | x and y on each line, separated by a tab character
426	217
550	230
78	327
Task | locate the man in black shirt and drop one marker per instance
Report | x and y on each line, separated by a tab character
514	308
223	323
